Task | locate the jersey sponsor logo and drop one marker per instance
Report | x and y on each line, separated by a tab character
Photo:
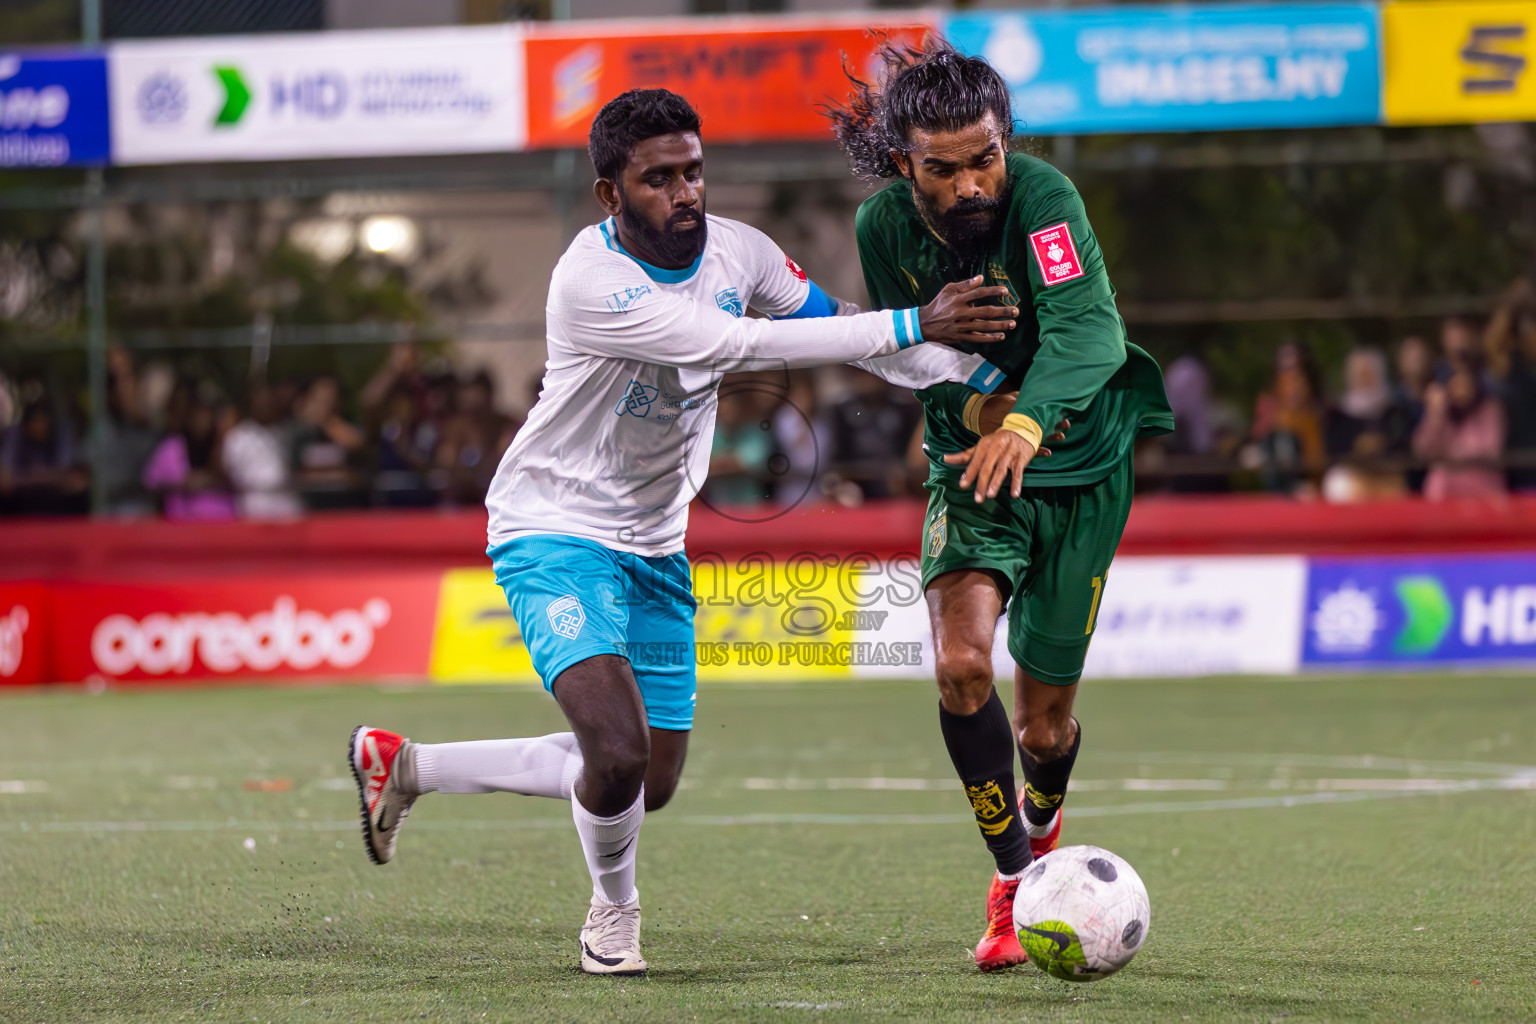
636	401
794	268
1056	254
729	299
566	616
621	301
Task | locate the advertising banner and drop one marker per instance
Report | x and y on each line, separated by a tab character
360	626
811	617
53	110
1185	68
1453	608
1454	62
326	94
752	80
1172	617
24	634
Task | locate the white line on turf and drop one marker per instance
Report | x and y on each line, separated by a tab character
1522	782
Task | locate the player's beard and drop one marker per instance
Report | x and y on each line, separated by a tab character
972	227
674	246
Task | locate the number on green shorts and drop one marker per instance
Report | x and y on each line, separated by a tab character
1093	609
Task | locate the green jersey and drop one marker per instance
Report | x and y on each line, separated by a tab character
1068	356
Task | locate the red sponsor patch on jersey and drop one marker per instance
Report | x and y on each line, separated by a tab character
1056	254
794	268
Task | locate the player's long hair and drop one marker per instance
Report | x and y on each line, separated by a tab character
931	88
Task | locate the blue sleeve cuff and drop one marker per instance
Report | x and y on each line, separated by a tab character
986	378
817	304
908	333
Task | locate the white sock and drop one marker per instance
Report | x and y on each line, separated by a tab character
609	845
534	766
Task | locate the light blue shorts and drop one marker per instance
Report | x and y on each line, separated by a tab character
574	599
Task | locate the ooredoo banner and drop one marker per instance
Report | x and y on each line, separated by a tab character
24	634
360	626
325	94
752	80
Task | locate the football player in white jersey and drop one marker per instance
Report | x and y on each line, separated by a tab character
589	506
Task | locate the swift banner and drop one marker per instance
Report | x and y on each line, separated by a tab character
1198	67
53	110
1450	63
328	94
751	80
1461	608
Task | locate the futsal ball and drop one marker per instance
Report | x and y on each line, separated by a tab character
1081	913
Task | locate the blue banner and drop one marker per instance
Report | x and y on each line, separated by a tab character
1196	68
1445	608
53	110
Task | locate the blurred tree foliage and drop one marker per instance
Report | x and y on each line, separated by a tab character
1378	232
39	21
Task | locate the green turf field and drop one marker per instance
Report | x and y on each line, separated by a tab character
1316	850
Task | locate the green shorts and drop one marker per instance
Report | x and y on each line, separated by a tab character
1052	548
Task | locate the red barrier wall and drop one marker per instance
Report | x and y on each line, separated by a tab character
380	541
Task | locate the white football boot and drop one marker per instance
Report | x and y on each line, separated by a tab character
610	940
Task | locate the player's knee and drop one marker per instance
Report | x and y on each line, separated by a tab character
658	792
618	763
965	680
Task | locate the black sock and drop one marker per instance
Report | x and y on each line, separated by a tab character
981	747
1046	784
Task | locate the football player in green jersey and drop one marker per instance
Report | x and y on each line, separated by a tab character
1009	523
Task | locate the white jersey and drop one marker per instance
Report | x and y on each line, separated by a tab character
619	441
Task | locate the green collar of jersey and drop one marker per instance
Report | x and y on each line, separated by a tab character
657	274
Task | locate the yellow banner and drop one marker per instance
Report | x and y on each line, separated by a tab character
757	620
1454	62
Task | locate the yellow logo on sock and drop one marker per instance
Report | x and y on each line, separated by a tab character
1039	799
987	799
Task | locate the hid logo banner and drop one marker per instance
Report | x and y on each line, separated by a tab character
1448	63
314	95
53	110
1196	67
1441	609
750	80
362	626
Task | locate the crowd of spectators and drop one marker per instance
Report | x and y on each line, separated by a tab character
1450	418
184	448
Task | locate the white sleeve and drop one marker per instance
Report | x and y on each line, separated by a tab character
927	365
779	286
608	307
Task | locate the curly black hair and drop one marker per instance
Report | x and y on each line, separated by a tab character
931	88
629	119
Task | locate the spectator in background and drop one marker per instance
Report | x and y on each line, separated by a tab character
871	431
256	461
1189	395
323	445
801	442
1364	429
129	440
473	441
1287	432
743	444
1511	341
1462	434
40	465
402	468
1461	340
186	468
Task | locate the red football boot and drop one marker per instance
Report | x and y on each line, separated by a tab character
1045	842
999	947
384	765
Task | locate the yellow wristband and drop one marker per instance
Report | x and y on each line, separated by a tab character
972	415
1025	427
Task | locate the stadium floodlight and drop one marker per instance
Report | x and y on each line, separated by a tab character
394	237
